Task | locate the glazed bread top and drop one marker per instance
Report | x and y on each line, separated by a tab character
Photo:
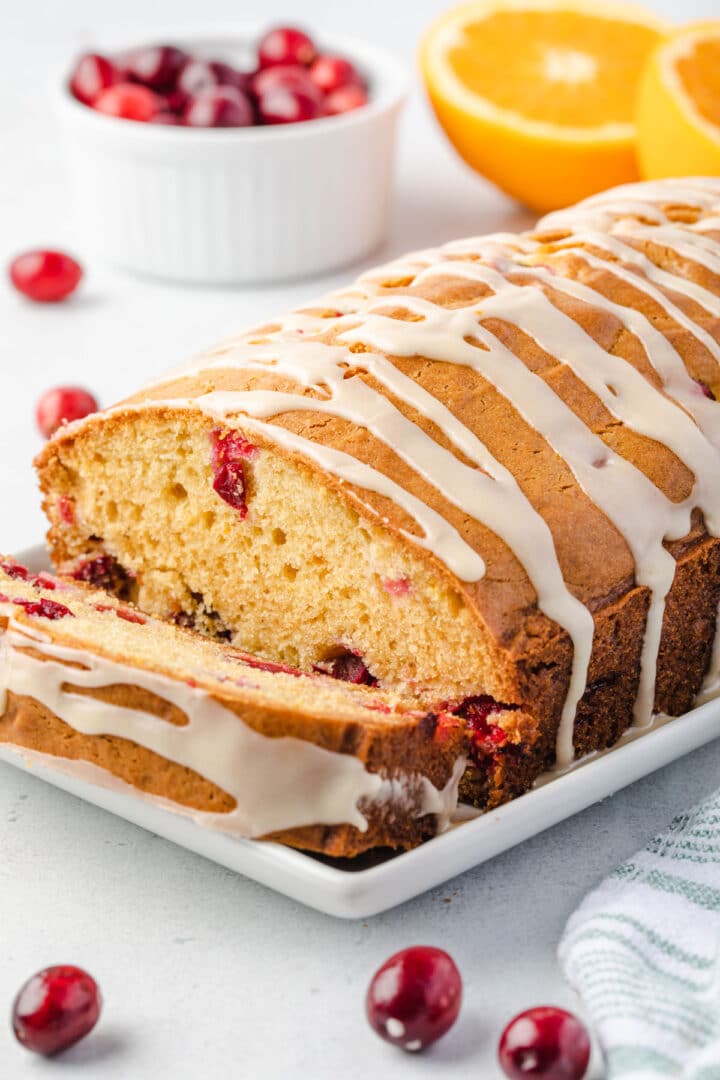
533	414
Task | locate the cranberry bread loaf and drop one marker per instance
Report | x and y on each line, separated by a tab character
245	746
490	469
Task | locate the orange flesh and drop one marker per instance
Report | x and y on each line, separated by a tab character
699	73
564	68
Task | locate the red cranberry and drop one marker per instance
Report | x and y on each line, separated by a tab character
56	1008
15	570
128	101
704	389
19	572
230	76
346	99
264	665
103	572
223	106
174	102
486	737
45	276
545	1042
398	586
48	609
198	75
291	76
157	67
66	510
229	453
415	997
42	581
350	667
284	105
123	613
331	72
286	45
61	404
92	74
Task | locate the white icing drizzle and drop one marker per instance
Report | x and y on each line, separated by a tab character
618	247
657	346
635	201
709	224
278	783
624	391
692	246
660	352
676	416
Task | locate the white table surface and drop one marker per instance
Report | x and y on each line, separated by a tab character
206	974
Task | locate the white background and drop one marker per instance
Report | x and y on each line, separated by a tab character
206	974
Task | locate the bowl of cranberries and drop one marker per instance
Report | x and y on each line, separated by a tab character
254	155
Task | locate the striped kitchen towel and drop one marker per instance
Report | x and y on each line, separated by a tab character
643	951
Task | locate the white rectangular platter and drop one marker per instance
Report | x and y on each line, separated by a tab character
359	891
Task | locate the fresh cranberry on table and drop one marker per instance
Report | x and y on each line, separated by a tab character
545	1042
331	72
156	67
223	106
45	276
63	403
55	1008
129	101
92	74
286	105
286	45
345	99
415	997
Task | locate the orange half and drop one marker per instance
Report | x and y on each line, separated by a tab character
538	95
678	105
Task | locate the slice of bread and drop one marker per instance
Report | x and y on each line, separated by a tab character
244	745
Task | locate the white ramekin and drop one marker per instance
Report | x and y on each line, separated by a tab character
236	205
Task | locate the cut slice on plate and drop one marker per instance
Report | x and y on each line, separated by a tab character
537	95
678	107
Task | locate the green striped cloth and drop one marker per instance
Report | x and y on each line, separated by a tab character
643	951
